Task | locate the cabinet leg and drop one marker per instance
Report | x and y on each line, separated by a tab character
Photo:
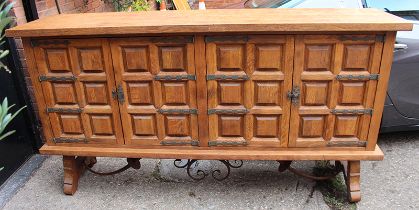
353	174
73	169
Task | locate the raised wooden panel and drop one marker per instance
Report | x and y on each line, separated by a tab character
352	93
312	126
231	126
267	93
268	57
356	57
96	93
230	57
90	62
321	63
318	57
172	58
140	93
315	93
71	124
102	124
267	62
230	93
144	125
64	93
57	59
346	125
177	125
91	59
136	59
266	126
137	63
175	93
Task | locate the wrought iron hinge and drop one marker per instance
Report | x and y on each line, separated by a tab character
43	78
294	95
65	110
118	94
226	39
227	143
357	77
228	111
175	77
227	77
176	143
177	111
176	39
69	140
36	43
352	111
346	144
381	38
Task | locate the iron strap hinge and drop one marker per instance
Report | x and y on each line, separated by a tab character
43	78
227	77
177	111
175	143
346	144
69	140
65	110
36	43
118	94
226	39
378	38
228	111
352	111
358	77
175	77
227	143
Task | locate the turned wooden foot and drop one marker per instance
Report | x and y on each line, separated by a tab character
73	169
353	181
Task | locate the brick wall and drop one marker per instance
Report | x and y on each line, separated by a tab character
49	7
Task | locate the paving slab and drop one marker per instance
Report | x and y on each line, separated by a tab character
390	184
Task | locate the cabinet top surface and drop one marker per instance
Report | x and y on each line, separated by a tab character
211	21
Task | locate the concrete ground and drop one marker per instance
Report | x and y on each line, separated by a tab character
390	184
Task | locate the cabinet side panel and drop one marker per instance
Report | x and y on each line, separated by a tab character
39	95
385	67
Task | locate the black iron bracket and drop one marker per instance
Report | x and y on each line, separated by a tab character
226	77
175	77
228	111
65	110
179	143
69	140
177	111
352	111
358	77
43	78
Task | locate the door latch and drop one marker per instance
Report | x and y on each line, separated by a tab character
294	95
118	94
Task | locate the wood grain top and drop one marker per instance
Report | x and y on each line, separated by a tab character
198	21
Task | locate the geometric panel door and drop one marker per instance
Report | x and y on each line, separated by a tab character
157	76
337	77
248	78
77	81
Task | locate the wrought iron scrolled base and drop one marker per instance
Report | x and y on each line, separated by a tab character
131	163
286	165
200	174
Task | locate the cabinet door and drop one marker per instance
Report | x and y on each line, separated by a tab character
248	78
77	81
157	76
336	76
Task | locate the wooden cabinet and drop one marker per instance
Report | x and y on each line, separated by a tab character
264	84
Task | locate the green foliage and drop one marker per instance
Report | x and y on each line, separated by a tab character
6	118
129	5
5	20
140	5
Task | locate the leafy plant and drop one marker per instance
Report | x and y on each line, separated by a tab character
5	20
129	5
140	5
6	118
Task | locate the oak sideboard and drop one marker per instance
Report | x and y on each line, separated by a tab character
263	84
